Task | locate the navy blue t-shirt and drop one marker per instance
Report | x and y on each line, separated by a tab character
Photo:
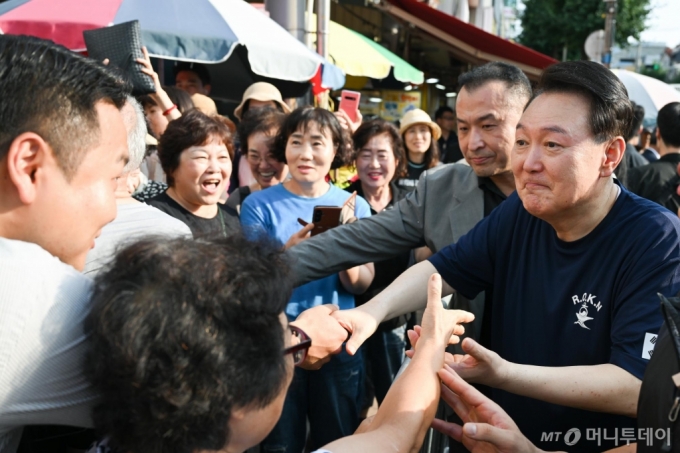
557	304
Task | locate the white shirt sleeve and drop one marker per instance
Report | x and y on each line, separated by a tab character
43	306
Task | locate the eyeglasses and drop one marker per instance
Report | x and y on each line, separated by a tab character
256	159
299	351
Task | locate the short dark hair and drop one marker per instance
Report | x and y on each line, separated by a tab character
610	110
636	123
183	332
200	69
194	128
178	97
370	129
299	120
51	91
496	71
441	110
259	120
668	122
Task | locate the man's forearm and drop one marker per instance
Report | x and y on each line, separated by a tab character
406	294
599	388
368	240
406	412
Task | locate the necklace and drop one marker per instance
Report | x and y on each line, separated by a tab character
224	227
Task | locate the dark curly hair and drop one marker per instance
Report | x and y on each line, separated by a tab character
183	332
194	128
299	120
259	120
370	129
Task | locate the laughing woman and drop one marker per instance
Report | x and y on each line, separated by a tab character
311	142
256	134
195	152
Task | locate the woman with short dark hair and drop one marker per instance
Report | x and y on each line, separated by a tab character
311	142
195	152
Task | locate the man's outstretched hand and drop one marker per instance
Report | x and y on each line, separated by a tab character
360	323
487	428
326	333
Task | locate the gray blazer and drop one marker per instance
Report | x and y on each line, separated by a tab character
445	205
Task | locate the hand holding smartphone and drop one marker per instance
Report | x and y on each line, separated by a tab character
349	103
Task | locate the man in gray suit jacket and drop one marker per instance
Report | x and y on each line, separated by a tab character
448	201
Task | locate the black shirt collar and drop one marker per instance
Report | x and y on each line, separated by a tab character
670	157
486	184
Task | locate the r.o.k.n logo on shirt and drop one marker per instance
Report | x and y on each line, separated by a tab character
582	314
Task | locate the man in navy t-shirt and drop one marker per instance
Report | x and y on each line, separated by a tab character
575	262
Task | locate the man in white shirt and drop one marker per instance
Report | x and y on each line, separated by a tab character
58	170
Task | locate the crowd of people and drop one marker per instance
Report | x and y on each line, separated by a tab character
163	282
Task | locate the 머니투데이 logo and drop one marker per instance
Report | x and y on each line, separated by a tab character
582	315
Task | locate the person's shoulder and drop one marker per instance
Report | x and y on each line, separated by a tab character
159	221
238	196
641	212
22	264
355	187
398	192
160	199
228	210
448	172
339	196
265	196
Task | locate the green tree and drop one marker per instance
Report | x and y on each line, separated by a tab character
655	73
550	25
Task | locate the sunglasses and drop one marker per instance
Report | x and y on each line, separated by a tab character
299	350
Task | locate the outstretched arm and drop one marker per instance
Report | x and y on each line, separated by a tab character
599	388
369	240
410	404
405	294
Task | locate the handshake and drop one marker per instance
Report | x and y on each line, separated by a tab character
329	328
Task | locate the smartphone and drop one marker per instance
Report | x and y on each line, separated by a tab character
325	218
349	103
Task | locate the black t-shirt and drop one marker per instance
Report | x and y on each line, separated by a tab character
410	181
449	149
237	198
493	197
556	303
224	223
657	181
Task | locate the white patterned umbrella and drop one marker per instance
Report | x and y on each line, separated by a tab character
648	92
